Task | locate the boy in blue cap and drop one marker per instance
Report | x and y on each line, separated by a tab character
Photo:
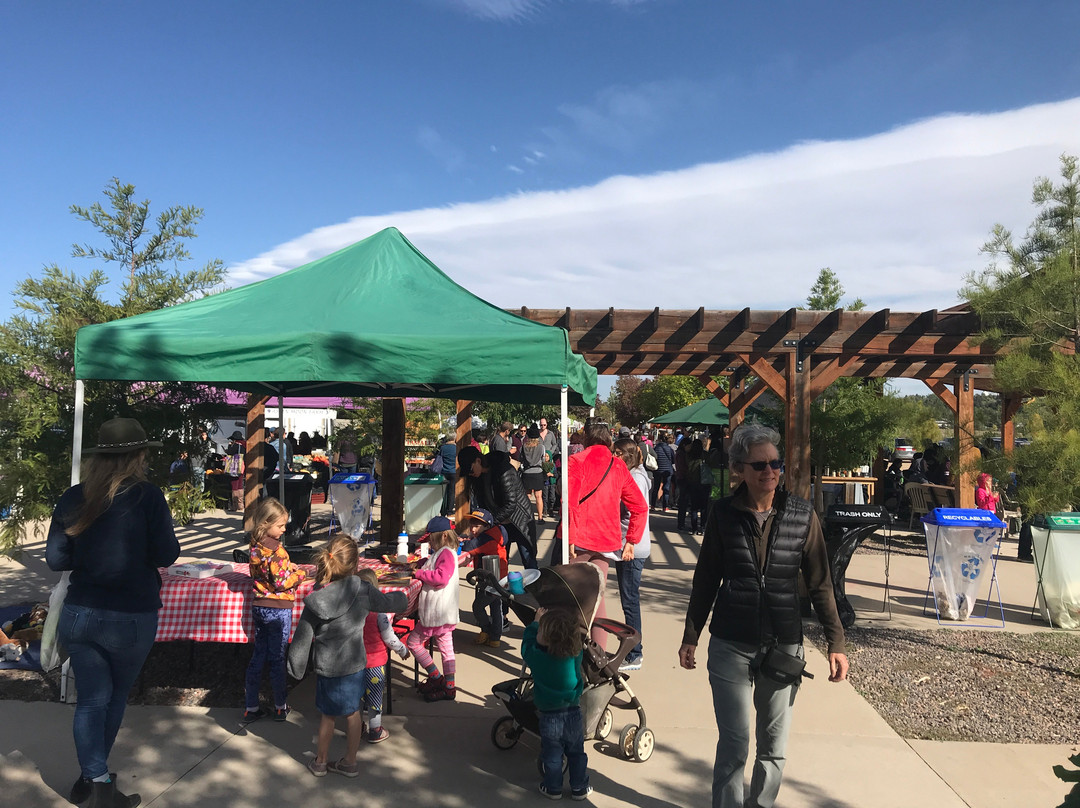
483	537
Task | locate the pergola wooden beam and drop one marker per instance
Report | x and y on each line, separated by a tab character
797	354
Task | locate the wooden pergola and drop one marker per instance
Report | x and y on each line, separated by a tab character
796	354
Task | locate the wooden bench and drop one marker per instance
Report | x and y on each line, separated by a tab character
924	497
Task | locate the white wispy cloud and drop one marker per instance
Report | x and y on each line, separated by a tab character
899	216
495	9
449	156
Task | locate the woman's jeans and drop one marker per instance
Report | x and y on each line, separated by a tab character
562	732
628	574
272	629
107	651
738	687
661	479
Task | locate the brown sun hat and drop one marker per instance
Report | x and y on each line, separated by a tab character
120	435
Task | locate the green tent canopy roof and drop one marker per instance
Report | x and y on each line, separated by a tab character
373	319
707	412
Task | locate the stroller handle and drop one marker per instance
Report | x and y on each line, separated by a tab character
620	630
482	578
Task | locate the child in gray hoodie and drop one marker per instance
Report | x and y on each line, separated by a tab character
332	625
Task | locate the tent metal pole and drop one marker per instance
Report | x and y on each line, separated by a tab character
564	442
281	444
76	475
77	432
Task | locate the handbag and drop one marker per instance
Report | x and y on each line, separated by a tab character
52	653
782	667
437	464
650	459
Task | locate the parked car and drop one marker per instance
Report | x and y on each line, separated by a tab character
903	449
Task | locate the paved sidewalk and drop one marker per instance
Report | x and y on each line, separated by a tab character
842	754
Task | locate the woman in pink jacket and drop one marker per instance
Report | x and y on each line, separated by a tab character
598	483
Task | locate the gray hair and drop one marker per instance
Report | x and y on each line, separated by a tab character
746	437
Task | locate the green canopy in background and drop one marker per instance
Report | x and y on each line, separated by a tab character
373	319
707	412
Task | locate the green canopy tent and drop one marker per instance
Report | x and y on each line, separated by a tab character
376	318
707	412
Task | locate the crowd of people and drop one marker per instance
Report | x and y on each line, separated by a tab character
113	531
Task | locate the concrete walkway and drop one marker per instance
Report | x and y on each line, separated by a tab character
842	754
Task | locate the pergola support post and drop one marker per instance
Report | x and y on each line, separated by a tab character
1010	405
463	438
797	426
254	456
392	480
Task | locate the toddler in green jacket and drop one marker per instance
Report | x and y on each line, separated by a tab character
552	648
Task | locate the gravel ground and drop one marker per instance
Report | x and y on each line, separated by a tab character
955	685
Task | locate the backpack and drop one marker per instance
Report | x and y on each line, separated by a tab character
705	475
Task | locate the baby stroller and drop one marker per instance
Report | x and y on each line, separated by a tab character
575	587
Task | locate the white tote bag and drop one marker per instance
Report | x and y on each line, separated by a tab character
52	654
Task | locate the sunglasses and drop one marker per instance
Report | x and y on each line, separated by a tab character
761	465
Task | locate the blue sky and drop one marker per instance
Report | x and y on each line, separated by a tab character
547	153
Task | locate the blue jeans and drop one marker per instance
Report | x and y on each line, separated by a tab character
107	651
661	478
272	629
485	603
628	574
561	732
738	687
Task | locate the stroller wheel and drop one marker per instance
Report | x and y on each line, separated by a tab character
505	732
603	729
626	740
644	743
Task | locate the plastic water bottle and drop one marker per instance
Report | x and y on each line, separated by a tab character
403	547
425	549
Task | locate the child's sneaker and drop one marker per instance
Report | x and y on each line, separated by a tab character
581	793
631	663
377	735
493	643
252	715
551	795
283	713
481	638
444	693
430	685
316	768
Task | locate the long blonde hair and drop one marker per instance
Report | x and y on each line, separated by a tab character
104	476
267	513
444	538
337	560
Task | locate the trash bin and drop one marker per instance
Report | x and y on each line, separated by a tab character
960	545
352	496
846	527
1055	543
423	499
297	503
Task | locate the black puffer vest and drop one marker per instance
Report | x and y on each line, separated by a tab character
751	604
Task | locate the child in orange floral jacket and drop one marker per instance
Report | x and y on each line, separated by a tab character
274	580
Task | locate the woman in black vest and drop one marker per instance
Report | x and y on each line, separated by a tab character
756	542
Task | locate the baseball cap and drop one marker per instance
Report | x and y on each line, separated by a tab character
482	515
438	524
624	432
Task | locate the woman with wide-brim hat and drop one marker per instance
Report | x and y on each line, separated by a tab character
112	531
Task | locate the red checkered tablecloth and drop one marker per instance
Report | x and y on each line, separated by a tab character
218	608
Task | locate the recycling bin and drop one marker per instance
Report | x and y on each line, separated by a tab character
423	499
960	545
297	503
1055	544
351	496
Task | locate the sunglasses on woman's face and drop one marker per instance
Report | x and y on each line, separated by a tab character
761	465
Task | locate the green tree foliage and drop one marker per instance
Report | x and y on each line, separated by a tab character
853	418
623	401
664	394
37	347
1028	298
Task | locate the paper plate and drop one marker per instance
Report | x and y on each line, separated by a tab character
527	577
